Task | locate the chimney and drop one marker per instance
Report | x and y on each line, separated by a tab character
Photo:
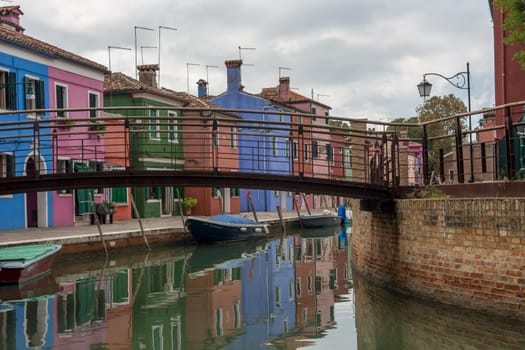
233	68
202	89
148	74
284	89
10	18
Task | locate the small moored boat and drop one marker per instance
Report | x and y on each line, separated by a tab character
224	227
321	220
19	264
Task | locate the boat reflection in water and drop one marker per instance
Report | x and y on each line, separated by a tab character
227	296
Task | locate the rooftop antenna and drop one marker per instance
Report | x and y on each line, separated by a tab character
142	51
207	79
109	50
283	68
135	30
188	74
318	95
168	28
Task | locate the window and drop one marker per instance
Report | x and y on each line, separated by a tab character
315	149
234	192
294	150
94	102
329	153
305	151
277	296
153	193
7	165
314	111
173	135
216	192
64	166
233	138
34	93
326	120
298	286
61	100
274	146
7	90
215	137
154	124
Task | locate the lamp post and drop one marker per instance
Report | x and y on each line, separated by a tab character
460	80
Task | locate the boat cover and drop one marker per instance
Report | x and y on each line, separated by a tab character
232	219
25	252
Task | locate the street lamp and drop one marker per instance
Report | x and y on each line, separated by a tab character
460	80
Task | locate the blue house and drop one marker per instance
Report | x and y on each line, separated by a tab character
260	151
23	86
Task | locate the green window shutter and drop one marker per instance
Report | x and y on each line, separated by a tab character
39	94
119	194
10	165
11	91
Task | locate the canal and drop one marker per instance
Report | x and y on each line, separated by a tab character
286	292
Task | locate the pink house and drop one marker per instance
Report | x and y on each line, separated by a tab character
78	145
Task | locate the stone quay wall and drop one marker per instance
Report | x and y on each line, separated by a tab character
467	252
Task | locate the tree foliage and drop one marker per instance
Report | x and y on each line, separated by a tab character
412	132
434	109
513	25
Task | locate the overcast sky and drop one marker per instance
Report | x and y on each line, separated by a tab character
363	58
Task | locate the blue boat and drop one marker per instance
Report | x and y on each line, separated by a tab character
224	227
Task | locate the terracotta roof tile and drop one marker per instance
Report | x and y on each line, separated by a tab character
25	41
121	83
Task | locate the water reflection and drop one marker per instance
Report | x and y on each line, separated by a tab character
230	296
289	292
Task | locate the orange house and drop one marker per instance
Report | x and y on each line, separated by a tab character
210	144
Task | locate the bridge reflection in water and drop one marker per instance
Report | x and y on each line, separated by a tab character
288	292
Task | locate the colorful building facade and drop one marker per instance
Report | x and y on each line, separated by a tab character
257	150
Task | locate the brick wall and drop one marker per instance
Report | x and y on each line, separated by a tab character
456	251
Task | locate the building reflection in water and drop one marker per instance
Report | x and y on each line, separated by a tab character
222	296
281	293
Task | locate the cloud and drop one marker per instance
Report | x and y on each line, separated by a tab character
364	58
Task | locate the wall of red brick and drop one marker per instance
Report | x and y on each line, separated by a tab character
464	252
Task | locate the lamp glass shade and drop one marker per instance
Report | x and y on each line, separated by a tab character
424	88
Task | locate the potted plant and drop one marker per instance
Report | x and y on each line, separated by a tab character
189	203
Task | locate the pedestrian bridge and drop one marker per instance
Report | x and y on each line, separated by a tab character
196	147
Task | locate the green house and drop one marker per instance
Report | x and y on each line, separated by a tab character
155	141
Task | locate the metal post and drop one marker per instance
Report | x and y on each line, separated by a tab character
509	143
424	155
471	149
459	152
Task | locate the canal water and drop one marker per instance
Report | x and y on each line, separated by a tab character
289	292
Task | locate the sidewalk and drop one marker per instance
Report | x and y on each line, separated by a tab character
84	233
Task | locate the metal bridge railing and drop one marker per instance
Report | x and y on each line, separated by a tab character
299	145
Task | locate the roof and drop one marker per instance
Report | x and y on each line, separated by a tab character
19	39
122	83
272	93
